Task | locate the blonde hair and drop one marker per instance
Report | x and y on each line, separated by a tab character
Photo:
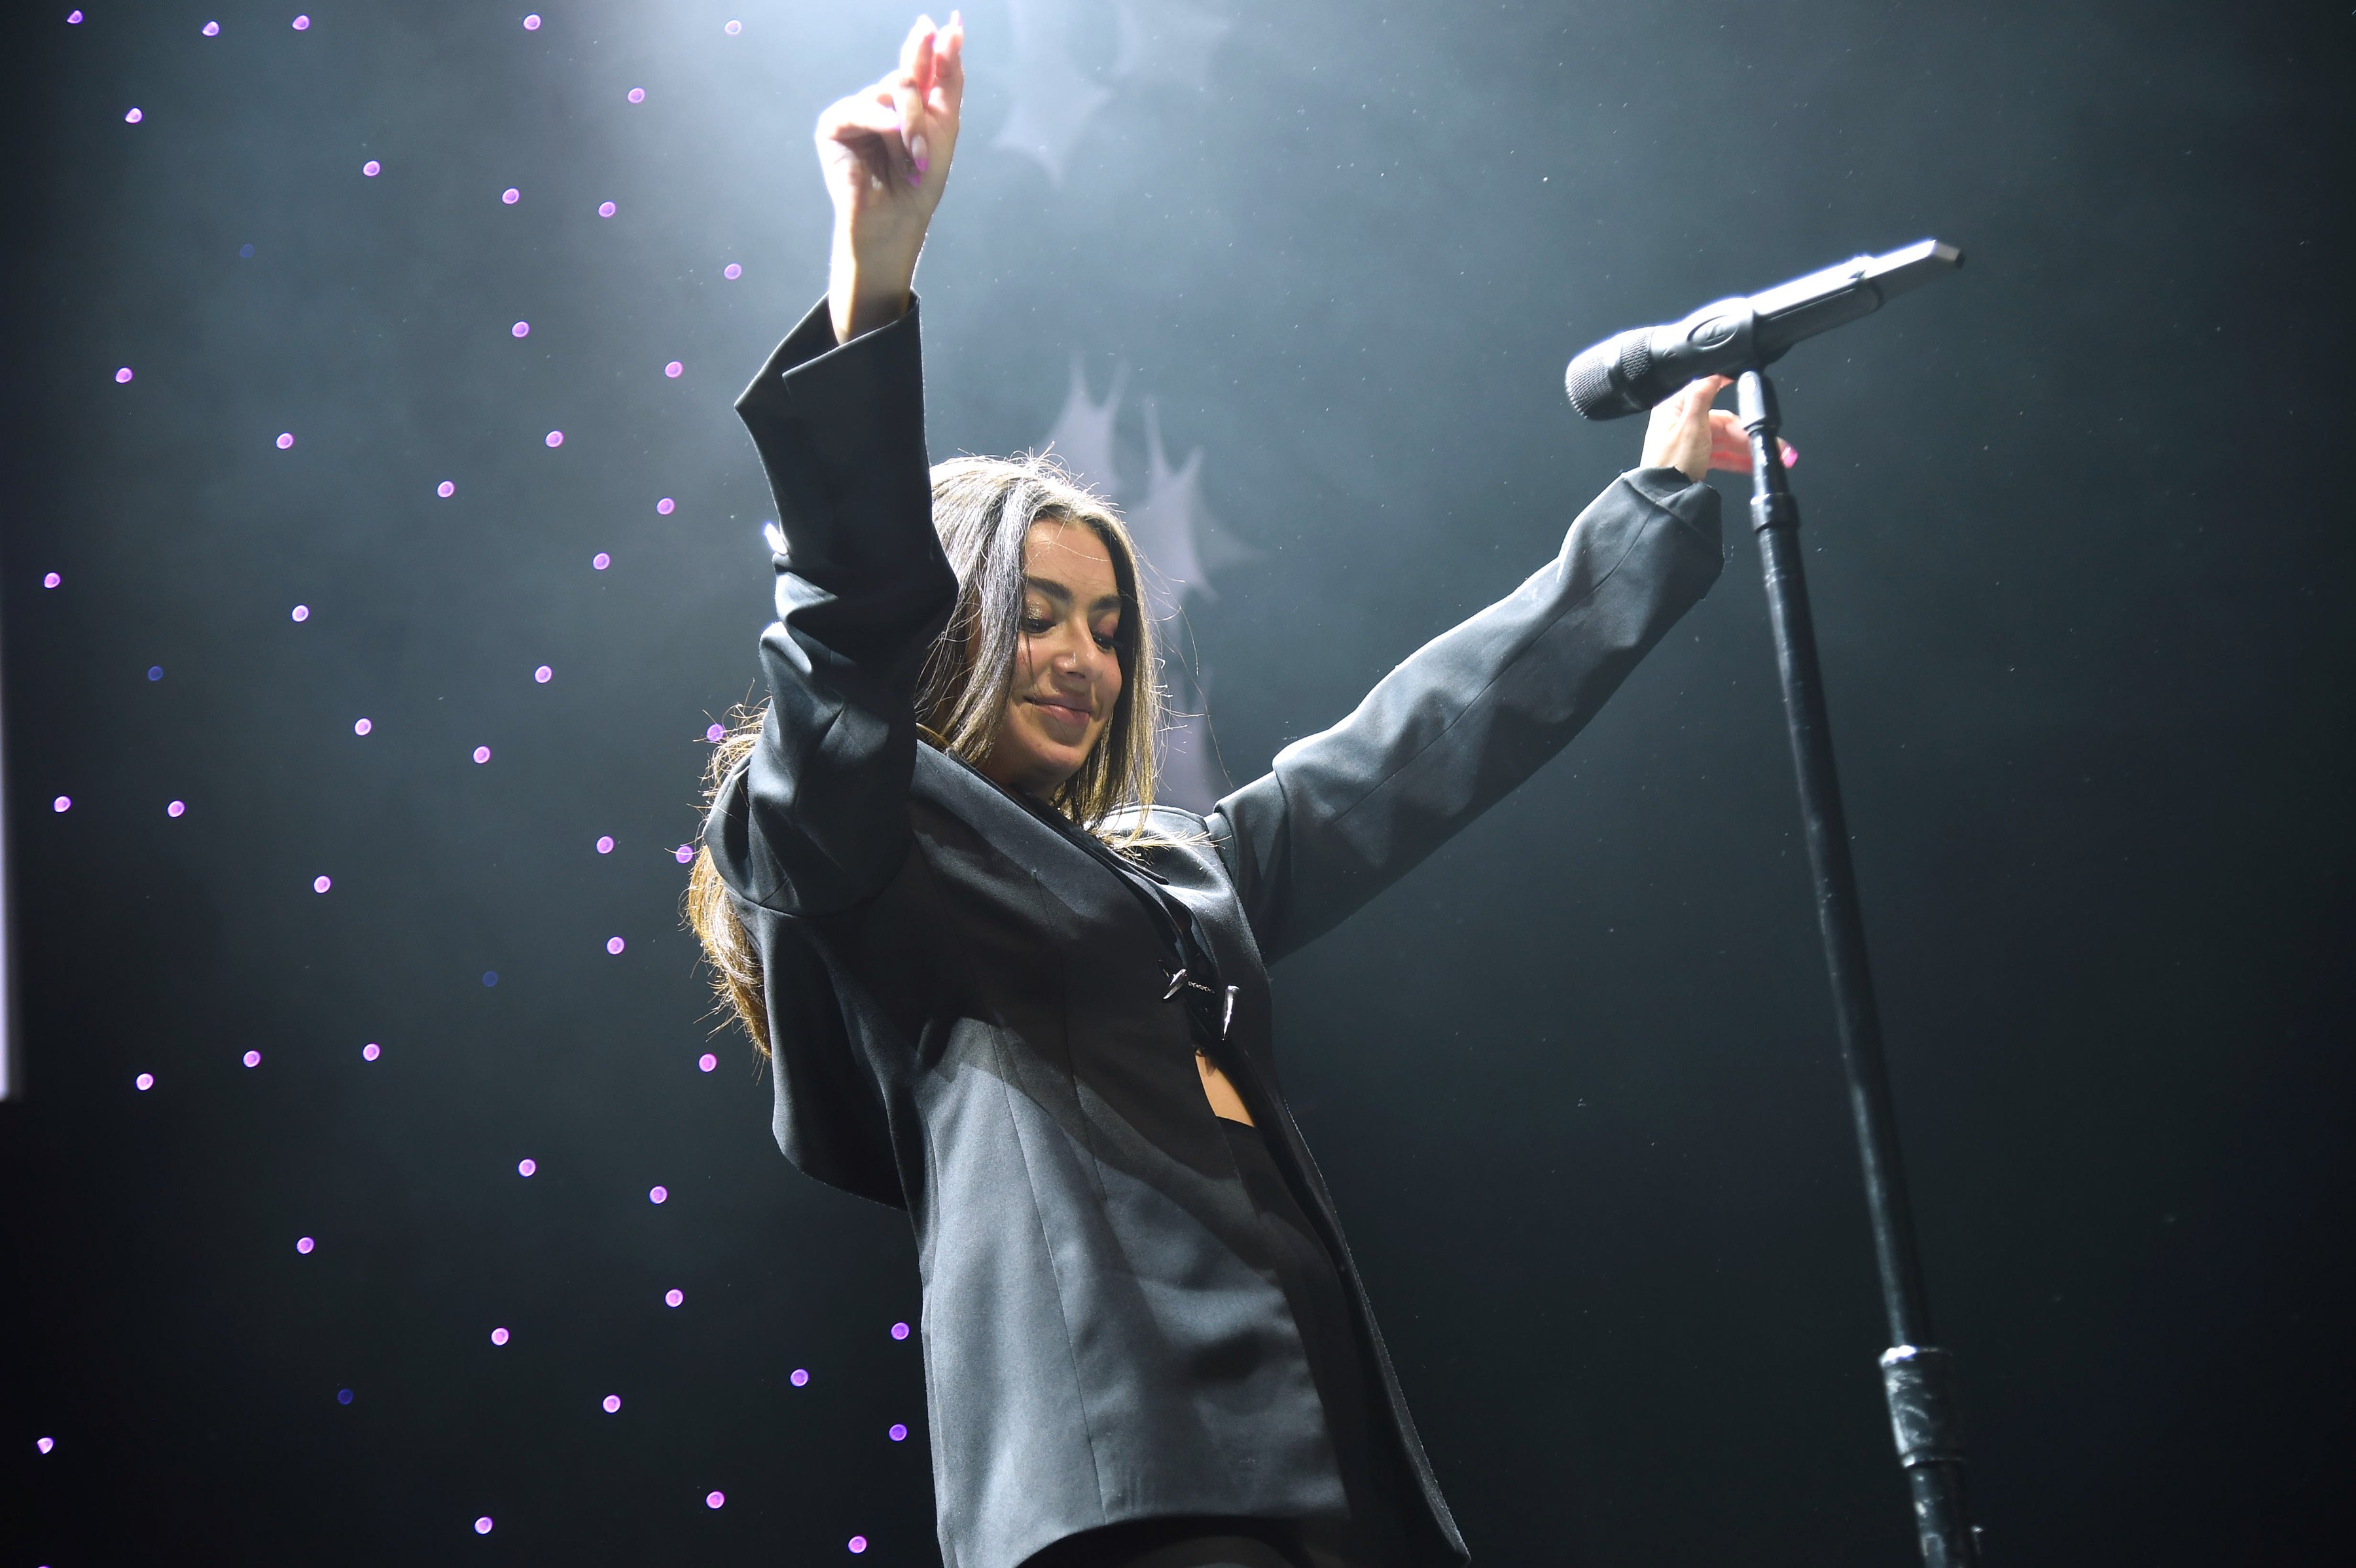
982	510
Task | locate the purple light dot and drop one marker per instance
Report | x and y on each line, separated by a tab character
731	271
361	727
302	24
615	945
716	734
800	1376
673	1297
525	1168
556	438
490	977
499	1336
858	1545
73	18
143	1082
371	169
899	1331
177	809
520	329
637	95
658	1195
303	1245
133	117
510	196
605	210
370	1051
542	674
445	490
732	28
482	753
285	439
321	884
665	506
706	1062
600	561
343	1396
122	375
606	844
51	580
898	1433
713	1499
300	613
210	29
483	1525
685	853
155	673
253	1059
46	1443
532	23
62	803
612	1403
673	369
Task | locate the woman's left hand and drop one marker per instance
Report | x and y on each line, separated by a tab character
1687	434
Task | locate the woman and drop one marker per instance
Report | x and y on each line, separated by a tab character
1002	989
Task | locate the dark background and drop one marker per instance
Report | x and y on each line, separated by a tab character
2080	548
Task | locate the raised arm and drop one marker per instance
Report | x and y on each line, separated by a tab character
816	820
1341	815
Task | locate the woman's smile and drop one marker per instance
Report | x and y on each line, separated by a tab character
1067	717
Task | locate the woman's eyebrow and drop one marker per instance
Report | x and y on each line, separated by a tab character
1062	595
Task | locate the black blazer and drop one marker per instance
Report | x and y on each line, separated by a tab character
967	1007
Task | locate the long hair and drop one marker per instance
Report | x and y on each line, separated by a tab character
982	508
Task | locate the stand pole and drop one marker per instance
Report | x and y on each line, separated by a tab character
1914	1373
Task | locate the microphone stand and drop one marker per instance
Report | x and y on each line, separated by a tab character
1914	1373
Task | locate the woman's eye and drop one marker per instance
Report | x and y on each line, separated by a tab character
1108	640
1035	625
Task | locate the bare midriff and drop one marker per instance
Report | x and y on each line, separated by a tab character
1220	1091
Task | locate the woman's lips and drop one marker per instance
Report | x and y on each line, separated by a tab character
1066	719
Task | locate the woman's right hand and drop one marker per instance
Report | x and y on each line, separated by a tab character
1687	434
886	152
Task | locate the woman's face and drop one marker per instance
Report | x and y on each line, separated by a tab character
1066	673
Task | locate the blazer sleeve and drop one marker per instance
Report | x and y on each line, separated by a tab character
1341	815
817	819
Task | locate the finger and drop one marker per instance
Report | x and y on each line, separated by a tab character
1730	444
860	116
1696	412
949	84
908	96
948	90
921	77
866	129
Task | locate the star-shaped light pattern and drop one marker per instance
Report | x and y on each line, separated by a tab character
1082	436
1168	42
1182	543
1055	97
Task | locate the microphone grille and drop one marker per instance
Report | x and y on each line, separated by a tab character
1589	382
1597	381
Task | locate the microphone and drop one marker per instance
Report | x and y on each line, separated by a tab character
1631	373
